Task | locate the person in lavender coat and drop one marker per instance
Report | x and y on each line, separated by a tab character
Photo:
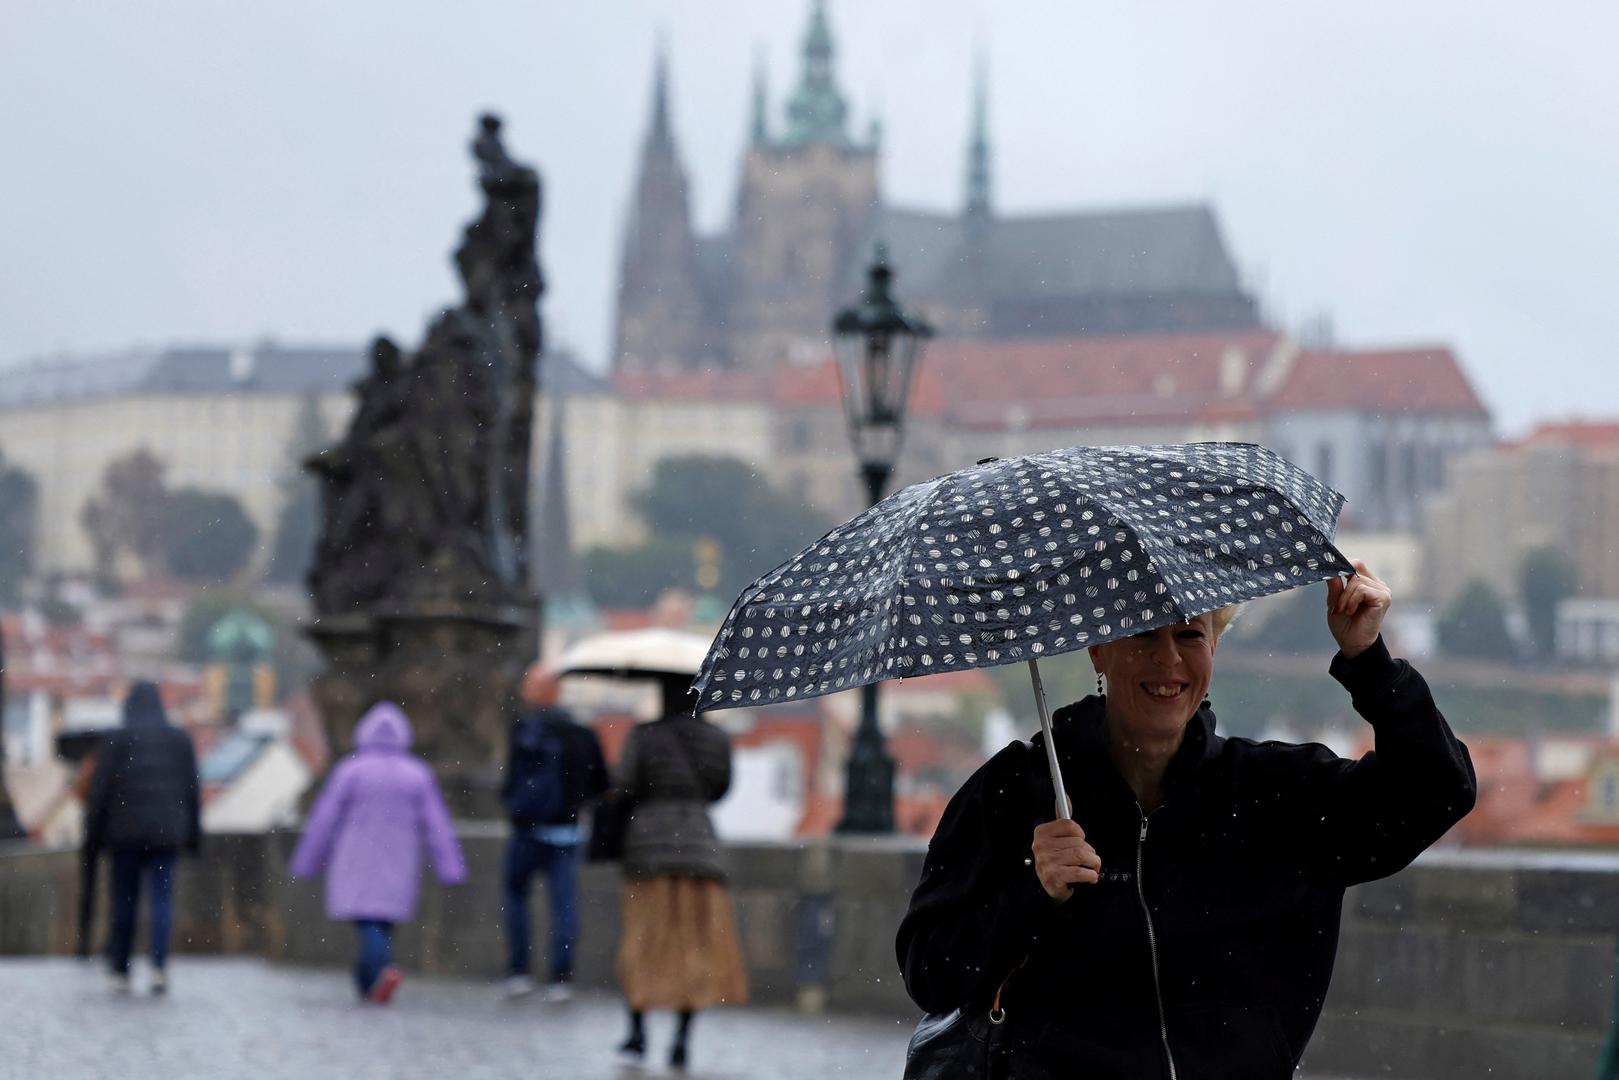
379	808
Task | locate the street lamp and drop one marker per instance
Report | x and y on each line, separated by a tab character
878	346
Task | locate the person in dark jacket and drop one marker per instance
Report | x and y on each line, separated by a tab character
555	767
143	809
1185	922
679	948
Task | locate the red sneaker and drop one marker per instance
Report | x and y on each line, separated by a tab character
382	991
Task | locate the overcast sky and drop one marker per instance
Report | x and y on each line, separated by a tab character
1437	172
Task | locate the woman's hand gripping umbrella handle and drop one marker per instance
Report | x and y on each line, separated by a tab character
1064	805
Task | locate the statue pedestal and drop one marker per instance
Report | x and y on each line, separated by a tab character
455	672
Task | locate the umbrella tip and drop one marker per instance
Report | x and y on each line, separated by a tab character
986	460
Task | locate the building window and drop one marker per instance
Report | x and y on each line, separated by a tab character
1435	467
1377	465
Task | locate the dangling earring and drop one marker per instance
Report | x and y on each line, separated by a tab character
1101	691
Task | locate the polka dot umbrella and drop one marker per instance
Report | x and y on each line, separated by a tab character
1020	558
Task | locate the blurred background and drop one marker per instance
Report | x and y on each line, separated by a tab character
1380	241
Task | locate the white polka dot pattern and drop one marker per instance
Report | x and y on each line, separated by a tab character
1022	558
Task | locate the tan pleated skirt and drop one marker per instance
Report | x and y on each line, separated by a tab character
679	949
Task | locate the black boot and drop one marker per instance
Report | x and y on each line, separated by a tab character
678	1052
635	1045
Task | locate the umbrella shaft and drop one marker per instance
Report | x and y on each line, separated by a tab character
1064	807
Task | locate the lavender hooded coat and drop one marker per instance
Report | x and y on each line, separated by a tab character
380	806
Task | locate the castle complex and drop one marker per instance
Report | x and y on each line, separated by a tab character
810	209
1086	327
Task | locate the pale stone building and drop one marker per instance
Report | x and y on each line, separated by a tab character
1557	487
218	419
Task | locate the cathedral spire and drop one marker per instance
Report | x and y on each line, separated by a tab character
660	130
816	112
659	310
978	178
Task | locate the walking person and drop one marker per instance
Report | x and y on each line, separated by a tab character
1184	921
143	810
554	768
379	808
679	949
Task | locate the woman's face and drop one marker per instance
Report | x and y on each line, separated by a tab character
1156	680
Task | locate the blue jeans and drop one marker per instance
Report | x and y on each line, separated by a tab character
128	865
526	856
376	951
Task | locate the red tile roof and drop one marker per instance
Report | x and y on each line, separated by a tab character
1160	373
1396	380
1587	434
1208	377
1028	383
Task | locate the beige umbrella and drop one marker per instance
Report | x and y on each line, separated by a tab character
633	654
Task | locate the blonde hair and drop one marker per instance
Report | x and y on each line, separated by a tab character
1223	618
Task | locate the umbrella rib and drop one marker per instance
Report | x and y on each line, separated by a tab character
910	543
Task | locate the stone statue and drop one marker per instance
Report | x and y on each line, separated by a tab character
420	579
425	497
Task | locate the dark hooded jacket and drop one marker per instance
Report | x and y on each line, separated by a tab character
1223	904
538	733
144	791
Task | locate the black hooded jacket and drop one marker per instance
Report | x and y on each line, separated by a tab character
1223	904
144	791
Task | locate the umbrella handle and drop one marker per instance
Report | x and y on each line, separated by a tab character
1065	807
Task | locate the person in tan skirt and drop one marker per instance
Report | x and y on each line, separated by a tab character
679	947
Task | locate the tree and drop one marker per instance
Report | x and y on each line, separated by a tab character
755	525
1545	579
1475	626
635	577
208	537
715	525
299	525
19	521
129	514
1295	623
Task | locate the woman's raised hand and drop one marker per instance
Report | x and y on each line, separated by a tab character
1355	609
1062	858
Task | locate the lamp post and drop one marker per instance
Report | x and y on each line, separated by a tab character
878	346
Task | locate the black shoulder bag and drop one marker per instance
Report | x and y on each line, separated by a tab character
966	1044
609	824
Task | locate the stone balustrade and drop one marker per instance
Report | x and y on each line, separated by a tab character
1465	965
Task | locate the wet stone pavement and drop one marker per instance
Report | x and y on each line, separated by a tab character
246	1019
233	1018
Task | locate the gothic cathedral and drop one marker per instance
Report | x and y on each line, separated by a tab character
810	212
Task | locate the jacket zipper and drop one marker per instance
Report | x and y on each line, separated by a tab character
1152	942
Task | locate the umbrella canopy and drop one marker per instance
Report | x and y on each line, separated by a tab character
1020	558
630	654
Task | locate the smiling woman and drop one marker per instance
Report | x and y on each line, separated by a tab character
1184	923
